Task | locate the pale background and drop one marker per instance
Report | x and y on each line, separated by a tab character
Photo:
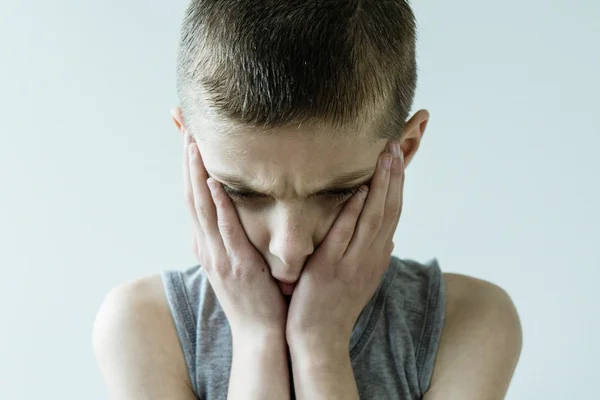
505	186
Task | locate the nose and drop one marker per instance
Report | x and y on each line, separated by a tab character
292	242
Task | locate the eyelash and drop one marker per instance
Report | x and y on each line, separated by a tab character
338	194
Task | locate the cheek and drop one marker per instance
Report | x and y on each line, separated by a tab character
325	222
256	227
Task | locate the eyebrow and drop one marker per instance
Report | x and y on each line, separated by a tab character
341	181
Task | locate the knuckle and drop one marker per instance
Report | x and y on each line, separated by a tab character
227	229
220	265
344	235
239	272
202	213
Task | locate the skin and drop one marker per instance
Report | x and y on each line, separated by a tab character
287	227
334	250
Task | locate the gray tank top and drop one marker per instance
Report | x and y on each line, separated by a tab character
392	347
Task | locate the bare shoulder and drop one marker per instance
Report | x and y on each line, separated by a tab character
136	344
480	344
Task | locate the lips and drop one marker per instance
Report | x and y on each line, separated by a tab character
286	288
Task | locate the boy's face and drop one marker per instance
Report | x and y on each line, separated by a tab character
294	182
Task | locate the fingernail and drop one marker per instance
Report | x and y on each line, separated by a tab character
396	150
387	162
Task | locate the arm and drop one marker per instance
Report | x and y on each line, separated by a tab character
323	371
480	344
478	352
259	368
136	344
338	281
139	355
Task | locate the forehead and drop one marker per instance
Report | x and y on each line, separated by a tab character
291	154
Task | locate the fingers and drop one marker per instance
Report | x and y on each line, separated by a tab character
199	199
187	182
393	202
216	223
372	215
230	227
197	234
336	242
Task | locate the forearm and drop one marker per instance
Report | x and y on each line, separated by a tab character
323	371
259	368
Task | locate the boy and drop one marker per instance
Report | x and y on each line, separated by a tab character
296	130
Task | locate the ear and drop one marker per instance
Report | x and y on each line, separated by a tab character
414	129
177	116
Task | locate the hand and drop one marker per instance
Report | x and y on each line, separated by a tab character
237	272
343	273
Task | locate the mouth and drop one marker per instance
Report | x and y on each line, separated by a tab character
286	288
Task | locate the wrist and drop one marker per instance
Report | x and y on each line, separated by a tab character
259	367
258	340
316	349
317	340
322	367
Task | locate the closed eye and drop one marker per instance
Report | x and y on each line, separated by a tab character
241	195
337	194
341	194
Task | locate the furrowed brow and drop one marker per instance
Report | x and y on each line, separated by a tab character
340	181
